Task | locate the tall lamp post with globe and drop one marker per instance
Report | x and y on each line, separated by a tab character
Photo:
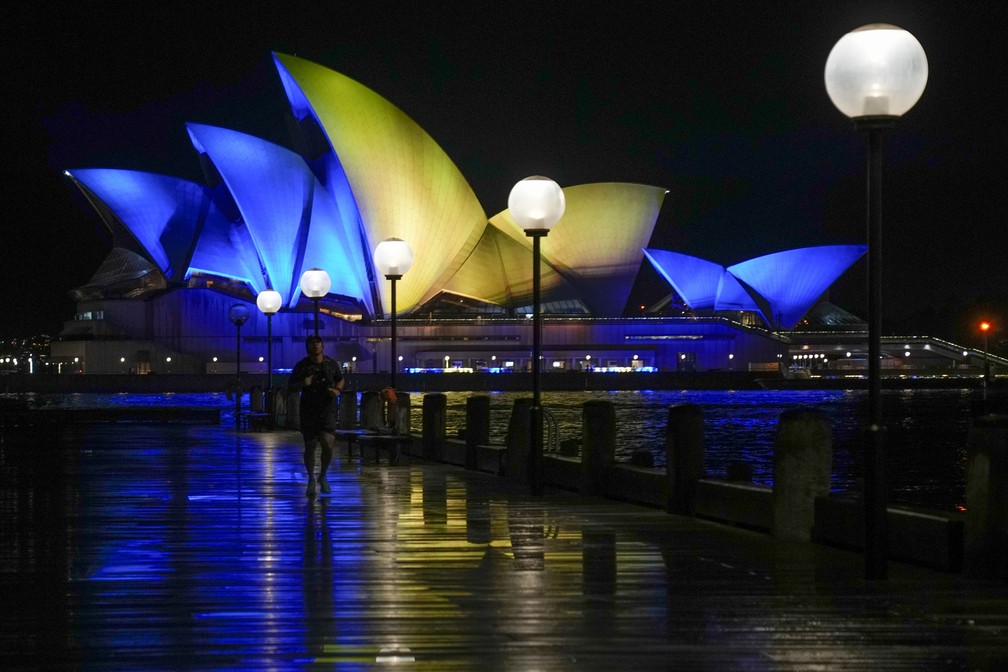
269	302
874	75
393	258
536	204
238	314
315	284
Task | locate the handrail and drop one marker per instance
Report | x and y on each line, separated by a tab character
552	442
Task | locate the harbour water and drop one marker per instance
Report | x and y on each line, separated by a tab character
927	429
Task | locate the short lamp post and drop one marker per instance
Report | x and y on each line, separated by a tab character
269	302
238	314
536	204
985	327
393	258
315	284
874	75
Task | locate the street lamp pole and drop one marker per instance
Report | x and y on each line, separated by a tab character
269	302
393	258
874	75
238	314
985	327
536	204
315	284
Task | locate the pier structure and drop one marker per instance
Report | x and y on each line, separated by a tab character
194	547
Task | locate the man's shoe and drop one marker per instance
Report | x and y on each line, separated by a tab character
310	492
324	485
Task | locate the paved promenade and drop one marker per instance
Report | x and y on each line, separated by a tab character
191	547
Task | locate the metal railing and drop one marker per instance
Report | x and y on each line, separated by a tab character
552	439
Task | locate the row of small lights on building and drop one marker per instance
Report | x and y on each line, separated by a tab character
906	353
508	364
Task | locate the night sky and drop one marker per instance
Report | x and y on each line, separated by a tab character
721	103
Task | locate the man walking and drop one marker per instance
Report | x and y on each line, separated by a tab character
319	379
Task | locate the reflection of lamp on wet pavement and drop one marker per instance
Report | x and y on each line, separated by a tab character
874	75
238	314
269	302
393	258
536	204
395	654
315	284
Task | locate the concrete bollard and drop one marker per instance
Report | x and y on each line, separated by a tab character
404	410
256	400
477	428
279	409
684	456
370	409
519	440
598	445
435	419
347	410
986	524
803	462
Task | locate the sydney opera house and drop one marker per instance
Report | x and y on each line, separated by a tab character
358	171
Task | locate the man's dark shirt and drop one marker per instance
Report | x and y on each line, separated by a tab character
317	408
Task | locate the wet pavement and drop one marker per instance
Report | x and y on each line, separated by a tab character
191	547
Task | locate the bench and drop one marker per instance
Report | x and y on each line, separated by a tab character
257	422
371	437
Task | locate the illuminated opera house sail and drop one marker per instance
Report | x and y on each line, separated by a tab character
359	171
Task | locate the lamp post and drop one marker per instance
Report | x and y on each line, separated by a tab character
536	204
269	302
238	314
985	327
315	284
393	258
874	75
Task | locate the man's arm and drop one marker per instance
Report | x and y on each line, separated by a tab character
300	378
337	386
